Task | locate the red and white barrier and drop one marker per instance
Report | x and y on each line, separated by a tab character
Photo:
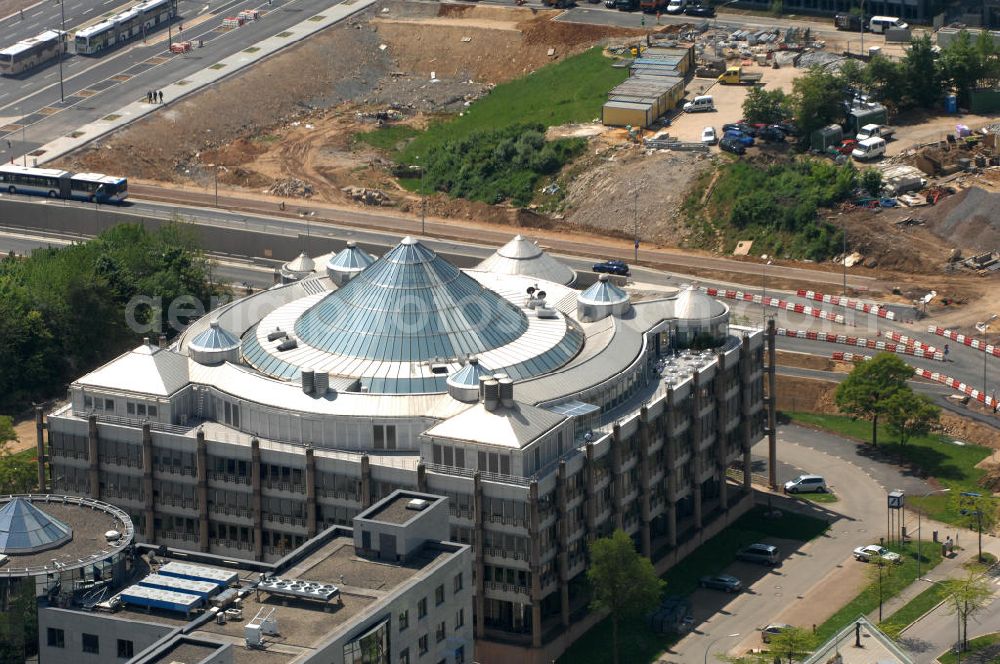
965	340
862	342
850	357
957	385
908	341
838	301
777	303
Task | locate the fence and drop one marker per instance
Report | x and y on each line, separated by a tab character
777	303
847	303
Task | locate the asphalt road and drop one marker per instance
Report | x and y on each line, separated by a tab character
149	66
45	15
857	518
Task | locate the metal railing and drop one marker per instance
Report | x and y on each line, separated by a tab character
229	478
135	422
230	510
487	476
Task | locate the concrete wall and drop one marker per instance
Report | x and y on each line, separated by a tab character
107	629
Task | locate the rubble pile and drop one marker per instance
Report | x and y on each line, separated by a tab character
367	196
290	188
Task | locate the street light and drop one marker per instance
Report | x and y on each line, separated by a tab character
984	327
919	512
709	648
958	616
62	45
978	513
763	297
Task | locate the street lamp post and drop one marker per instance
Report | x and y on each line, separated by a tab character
958	616
978	513
862	28
763	297
844	236
62	45
983	328
709	648
919	532
635	219
24	138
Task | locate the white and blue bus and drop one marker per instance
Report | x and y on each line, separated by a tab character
136	21
56	183
32	52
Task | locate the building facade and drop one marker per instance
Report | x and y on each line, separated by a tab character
548	416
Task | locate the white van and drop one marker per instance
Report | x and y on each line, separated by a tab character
879	24
870	148
676	6
702	103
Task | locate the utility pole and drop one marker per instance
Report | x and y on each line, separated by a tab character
62	45
423	204
845	257
24	140
983	328
635	217
763	297
862	30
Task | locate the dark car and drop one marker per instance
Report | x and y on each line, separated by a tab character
704	11
721	582
741	127
771	134
613	267
788	127
763	554
745	139
731	145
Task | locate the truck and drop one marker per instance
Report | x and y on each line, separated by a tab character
875	131
851	22
736	76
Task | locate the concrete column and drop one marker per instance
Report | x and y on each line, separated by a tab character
149	505
562	527
94	468
589	499
202	473
617	490
311	528
535	566
40	444
721	432
421	477
772	433
644	492
256	500
745	428
477	555
696	434
366	481
670	443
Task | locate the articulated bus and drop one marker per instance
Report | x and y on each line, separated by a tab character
56	183
136	21
32	52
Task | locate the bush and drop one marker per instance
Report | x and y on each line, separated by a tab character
498	165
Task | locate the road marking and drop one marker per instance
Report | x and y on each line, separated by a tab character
38	13
87	11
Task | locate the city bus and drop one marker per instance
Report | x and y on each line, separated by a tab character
30	53
56	183
136	21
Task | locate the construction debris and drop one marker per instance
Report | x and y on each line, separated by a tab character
290	188
367	196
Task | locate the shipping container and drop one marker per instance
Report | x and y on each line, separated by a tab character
620	114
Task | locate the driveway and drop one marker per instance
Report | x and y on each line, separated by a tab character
791	589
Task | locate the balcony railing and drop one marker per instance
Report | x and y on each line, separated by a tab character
283	518
174	470
342	494
115	460
506	587
232	544
228	478
281	485
231	510
504	553
184	537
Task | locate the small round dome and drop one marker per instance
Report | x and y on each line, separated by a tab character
298	268
214	345
463	385
600	300
343	266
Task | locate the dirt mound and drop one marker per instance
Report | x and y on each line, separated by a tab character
969	219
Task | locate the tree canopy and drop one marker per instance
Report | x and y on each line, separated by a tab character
767	106
623	581
867	390
18	472
910	414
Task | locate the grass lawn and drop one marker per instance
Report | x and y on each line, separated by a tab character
895	578
572	90
388	137
954	466
827	497
641	644
982	650
913	609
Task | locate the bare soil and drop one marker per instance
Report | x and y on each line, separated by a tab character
8	7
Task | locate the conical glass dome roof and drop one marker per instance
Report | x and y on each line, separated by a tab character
351	258
26	529
468	376
411	306
214	338
603	292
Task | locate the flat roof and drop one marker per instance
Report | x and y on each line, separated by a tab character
186	652
395	511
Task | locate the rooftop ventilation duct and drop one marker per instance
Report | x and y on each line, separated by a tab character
506	392
321	383
491	394
308	381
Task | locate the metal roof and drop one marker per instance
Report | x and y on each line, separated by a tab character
26	529
692	304
507	427
603	292
524	257
301	264
145	370
24	45
468	376
215	338
350	259
408	306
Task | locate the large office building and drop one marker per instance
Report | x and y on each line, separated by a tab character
548	416
388	591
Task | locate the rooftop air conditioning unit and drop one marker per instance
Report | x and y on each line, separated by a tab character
417	504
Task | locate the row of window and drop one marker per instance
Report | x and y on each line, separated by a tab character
440	633
91	643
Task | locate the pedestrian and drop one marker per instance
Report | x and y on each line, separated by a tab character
149	96
161	96
22	14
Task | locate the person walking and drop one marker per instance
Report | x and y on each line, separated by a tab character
149	96
161	96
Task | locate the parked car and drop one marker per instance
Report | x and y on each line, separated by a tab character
866	554
708	136
765	554
742	127
613	267
700	103
806	484
772	630
703	11
847	146
725	582
788	127
745	139
879	24
868	149
732	145
771	134
676	6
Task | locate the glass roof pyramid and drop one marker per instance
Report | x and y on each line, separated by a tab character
468	376
214	338
351	258
603	292
26	529
411	306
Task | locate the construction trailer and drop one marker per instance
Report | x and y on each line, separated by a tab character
623	113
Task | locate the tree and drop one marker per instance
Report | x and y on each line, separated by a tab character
977	512
792	642
962	64
867	389
910	414
763	105
871	181
922	73
18	474
623	581
967	597
885	81
816	100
